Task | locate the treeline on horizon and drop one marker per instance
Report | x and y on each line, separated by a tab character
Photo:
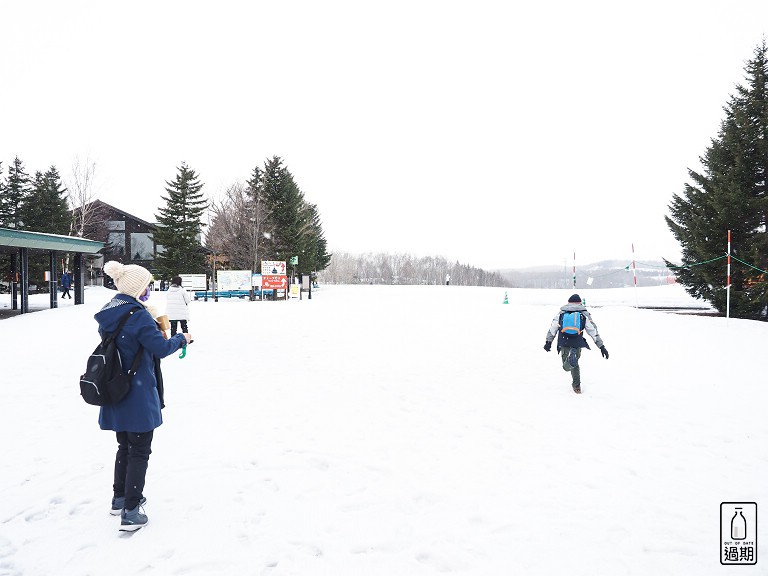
406	269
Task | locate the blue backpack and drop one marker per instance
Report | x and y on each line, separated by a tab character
572	323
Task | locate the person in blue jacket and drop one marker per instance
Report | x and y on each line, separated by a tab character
134	418
66	284
572	320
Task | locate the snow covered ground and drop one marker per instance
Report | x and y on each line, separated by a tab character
394	430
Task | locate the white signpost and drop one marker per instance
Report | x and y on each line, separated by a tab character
193	282
273	267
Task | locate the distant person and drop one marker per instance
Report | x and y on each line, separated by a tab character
66	284
447	279
177	307
134	418
569	326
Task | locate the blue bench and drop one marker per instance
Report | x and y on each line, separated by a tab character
232	294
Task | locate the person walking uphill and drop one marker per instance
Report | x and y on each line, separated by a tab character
177	307
134	418
569	325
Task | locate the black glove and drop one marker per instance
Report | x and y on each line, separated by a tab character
547	345
604	352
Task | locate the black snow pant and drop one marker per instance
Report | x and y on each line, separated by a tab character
131	463
183	326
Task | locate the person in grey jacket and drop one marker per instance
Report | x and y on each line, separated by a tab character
571	322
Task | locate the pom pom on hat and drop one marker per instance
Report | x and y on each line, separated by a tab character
575	298
130	279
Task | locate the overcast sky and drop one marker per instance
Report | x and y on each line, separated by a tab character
500	134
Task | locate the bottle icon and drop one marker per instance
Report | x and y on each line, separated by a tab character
738	525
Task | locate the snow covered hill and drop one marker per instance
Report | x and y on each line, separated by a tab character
384	430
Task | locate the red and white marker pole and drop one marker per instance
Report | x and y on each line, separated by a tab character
728	284
574	269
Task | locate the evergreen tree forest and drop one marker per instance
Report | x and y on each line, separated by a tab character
37	204
268	218
729	193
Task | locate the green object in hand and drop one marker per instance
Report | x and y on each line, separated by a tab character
183	351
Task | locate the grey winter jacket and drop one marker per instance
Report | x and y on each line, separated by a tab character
573	340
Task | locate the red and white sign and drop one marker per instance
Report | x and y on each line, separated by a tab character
274	281
273	266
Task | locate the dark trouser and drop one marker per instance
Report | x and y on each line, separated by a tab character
574	370
175	322
131	463
65	293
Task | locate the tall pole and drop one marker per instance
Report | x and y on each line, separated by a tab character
213	283
728	284
634	272
574	269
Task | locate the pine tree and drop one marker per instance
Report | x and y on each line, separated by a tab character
45	209
268	219
17	190
284	200
3	190
730	194
180	226
314	255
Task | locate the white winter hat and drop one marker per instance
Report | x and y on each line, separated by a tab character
130	279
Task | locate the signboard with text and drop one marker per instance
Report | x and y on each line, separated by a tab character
273	267
274	281
193	281
233	280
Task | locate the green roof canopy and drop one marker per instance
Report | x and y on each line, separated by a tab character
39	241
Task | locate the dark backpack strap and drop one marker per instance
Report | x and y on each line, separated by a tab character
123	320
136	361
114	334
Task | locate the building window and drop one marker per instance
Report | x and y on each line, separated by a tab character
115	224
141	246
116	243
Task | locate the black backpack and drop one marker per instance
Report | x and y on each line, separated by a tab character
104	381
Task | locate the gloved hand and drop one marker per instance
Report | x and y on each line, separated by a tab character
547	345
604	352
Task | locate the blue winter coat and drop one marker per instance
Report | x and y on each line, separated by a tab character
66	281
139	411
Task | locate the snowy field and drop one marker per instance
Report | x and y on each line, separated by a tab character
393	430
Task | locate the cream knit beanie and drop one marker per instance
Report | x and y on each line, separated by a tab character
130	279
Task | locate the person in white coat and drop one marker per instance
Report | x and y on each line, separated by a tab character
177	307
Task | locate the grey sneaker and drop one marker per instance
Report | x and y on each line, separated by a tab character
132	520
573	358
119	503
